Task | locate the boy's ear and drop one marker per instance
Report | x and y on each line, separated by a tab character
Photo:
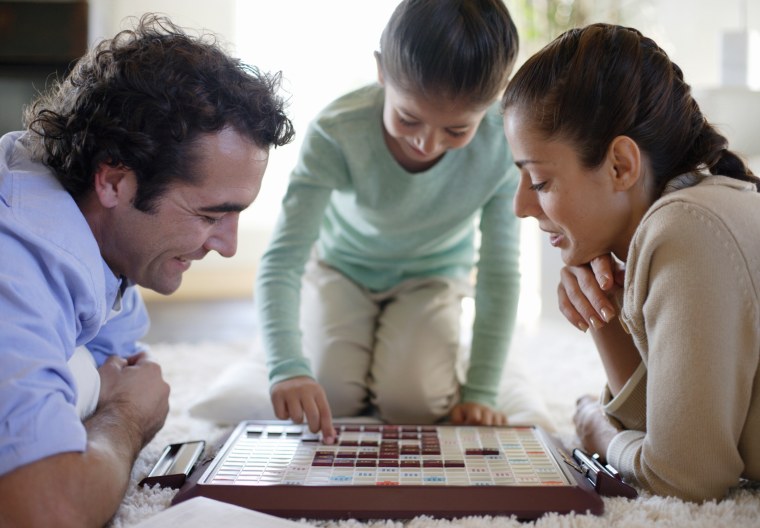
380	78
625	160
111	184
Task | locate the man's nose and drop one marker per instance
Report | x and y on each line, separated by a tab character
224	237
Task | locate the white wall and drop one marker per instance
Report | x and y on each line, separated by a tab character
691	31
107	17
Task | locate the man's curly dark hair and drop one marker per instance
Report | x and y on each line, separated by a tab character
141	100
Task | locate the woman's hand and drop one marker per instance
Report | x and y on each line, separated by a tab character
586	299
302	397
592	426
471	413
585	292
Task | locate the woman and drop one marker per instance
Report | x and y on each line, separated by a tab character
657	222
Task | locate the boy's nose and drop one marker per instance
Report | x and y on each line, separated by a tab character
427	142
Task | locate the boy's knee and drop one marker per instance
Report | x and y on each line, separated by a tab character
346	399
414	405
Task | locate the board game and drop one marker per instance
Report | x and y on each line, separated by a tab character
397	472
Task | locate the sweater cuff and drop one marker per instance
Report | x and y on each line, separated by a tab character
621	452
628	407
291	368
483	397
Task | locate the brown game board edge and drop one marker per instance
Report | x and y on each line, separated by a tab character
399	502
402	502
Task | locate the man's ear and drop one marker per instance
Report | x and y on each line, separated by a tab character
625	160
112	184
380	78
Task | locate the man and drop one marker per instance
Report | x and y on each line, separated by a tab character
138	163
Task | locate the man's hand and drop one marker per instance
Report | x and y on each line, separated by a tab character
592	427
585	292
471	413
85	488
134	390
302	397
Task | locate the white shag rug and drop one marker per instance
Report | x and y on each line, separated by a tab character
555	362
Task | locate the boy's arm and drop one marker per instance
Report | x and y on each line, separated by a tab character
496	295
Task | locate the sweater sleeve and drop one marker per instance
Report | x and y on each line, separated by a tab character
278	281
692	309
496	294
629	406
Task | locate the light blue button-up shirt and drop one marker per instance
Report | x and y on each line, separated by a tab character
56	293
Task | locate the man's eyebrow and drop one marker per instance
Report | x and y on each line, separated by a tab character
226	207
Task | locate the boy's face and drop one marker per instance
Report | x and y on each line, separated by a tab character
419	130
154	249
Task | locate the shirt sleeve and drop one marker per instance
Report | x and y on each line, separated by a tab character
38	331
698	320
121	334
497	292
278	282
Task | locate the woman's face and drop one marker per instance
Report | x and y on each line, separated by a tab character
583	210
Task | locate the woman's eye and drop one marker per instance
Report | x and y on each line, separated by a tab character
406	122
537	186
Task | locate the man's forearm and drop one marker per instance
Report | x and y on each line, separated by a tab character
75	489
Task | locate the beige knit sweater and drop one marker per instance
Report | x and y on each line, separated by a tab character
692	304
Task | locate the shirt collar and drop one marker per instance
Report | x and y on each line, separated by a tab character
115	288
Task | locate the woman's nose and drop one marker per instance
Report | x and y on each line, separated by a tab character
525	202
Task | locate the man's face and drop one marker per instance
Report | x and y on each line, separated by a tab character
154	249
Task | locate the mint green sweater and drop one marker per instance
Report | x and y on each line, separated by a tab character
380	225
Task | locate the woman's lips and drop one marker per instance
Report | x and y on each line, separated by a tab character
555	239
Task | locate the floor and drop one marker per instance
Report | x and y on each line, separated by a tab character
195	321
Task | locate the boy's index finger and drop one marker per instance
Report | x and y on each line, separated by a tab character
328	431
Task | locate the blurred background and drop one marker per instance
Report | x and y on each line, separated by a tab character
324	48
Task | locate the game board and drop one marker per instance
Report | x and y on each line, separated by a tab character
396	472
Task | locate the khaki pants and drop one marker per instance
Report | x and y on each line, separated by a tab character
395	352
